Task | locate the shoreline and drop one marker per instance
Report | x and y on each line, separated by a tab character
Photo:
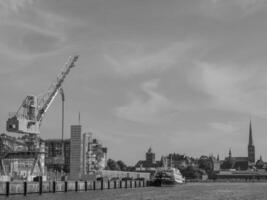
25	188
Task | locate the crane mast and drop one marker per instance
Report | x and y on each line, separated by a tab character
28	118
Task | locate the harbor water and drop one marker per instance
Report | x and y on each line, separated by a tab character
189	191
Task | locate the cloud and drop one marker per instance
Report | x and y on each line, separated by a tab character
130	59
146	110
28	33
230	10
236	88
14	5
228	127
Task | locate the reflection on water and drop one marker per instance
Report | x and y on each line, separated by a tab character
196	191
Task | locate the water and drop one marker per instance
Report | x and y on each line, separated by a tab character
189	191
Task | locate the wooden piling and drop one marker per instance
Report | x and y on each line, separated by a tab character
66	186
85	186
25	188
76	186
7	188
54	186
40	185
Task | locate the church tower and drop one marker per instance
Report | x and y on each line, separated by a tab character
251	147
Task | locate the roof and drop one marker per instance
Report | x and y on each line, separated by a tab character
145	164
240	159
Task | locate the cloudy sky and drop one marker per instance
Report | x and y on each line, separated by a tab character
179	76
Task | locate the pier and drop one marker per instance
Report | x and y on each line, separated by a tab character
26	188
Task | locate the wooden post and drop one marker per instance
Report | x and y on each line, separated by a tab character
7	188
94	185
115	184
120	184
131	183
40	185
54	186
76	186
85	185
135	183
108	184
66	186
139	183
126	183
102	184
143	182
25	188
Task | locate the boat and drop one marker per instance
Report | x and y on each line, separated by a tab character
165	177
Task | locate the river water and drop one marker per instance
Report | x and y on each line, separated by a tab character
189	191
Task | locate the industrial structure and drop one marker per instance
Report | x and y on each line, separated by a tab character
94	154
55	158
87	154
24	156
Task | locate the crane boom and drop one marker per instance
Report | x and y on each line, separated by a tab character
45	101
29	116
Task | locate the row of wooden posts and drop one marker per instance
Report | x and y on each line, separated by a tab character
137	183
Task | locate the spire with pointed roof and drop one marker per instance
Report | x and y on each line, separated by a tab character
251	147
250	142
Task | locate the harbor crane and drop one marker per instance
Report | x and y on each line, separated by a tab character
27	121
28	118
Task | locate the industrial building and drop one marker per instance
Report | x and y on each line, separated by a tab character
94	154
57	157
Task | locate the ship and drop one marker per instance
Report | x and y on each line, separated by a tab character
167	176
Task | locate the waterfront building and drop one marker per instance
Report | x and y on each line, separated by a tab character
57	156
18	161
65	156
94	154
150	164
75	152
209	164
241	163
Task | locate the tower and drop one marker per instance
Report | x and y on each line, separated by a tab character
251	147
150	156
75	152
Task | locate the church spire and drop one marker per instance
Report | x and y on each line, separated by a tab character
251	147
250	142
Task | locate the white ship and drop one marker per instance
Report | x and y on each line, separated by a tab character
167	176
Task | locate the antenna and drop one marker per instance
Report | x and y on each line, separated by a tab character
79	118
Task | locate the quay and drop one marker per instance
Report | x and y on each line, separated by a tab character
25	188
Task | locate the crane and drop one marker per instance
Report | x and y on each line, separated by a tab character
28	118
27	121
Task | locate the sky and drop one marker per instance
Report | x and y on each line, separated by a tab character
178	76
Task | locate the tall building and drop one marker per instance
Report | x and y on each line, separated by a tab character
75	152
150	156
251	147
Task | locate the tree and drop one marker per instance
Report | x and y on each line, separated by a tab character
122	165
206	164
112	165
